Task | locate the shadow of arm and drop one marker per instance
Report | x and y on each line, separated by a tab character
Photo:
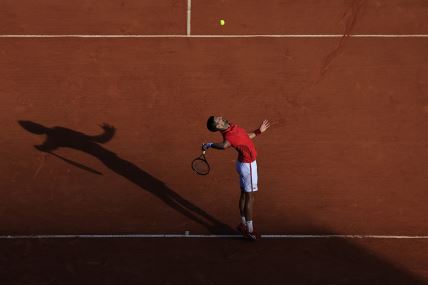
106	136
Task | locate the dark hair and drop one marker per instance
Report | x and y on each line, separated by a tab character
211	124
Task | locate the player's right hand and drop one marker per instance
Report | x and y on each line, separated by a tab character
206	146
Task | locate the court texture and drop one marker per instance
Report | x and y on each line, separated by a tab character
103	106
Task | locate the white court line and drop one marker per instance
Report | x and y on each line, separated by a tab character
189	14
326	236
221	36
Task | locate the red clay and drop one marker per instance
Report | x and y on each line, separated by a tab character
93	17
349	144
214	261
310	17
347	153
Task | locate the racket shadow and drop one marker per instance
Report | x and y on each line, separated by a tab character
58	137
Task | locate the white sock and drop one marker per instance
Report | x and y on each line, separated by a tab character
250	226
243	221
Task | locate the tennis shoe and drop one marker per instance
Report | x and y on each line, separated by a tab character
252	235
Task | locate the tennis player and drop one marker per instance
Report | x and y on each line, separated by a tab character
246	165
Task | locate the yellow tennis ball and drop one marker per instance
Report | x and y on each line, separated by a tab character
222	22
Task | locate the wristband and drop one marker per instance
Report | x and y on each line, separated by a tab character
257	132
208	145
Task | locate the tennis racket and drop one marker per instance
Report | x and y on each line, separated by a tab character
200	165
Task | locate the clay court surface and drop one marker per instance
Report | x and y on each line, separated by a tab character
342	171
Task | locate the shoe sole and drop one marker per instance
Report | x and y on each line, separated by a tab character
252	237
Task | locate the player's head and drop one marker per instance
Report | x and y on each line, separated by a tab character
215	124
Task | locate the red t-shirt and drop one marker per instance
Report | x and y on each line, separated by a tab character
240	140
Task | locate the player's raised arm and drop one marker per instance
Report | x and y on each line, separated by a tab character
263	127
222	145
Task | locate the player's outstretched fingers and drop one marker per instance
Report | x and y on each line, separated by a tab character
264	126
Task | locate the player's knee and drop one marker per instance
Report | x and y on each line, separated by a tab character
249	195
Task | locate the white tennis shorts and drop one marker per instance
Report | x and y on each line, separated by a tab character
247	175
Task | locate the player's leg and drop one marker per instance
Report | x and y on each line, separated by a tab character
248	208
242	227
242	207
248	182
251	189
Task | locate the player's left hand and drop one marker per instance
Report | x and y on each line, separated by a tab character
264	126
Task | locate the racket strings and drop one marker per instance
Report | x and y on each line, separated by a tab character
200	166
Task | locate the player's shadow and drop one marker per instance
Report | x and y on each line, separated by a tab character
58	137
